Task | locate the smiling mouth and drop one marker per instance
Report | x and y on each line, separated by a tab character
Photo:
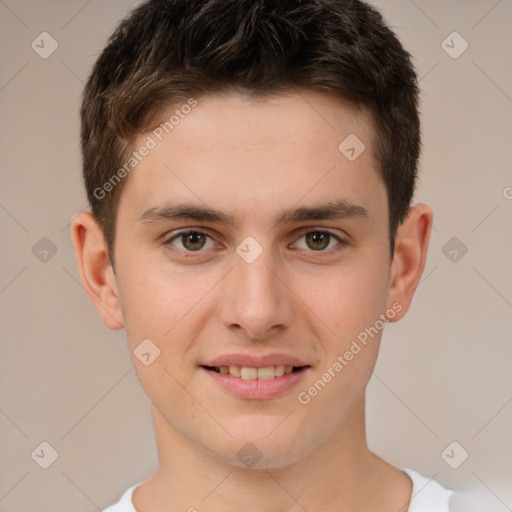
251	373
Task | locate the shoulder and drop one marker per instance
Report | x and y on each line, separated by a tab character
427	494
125	503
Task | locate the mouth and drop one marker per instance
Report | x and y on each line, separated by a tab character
256	382
253	373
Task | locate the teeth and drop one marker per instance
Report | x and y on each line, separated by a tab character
266	373
235	371
279	370
248	373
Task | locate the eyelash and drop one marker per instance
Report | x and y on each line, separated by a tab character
191	254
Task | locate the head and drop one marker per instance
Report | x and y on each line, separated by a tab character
243	109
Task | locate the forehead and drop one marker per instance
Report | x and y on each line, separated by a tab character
245	153
239	120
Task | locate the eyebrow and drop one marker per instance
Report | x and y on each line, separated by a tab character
340	209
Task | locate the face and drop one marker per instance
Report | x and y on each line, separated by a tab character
247	239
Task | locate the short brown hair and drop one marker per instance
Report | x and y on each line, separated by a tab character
169	50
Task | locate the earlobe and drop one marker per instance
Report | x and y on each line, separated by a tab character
410	255
95	270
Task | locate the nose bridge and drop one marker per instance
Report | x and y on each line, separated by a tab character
256	280
257	300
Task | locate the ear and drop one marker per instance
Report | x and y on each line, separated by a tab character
95	269
409	258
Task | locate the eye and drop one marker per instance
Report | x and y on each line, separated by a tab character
190	240
319	241
194	240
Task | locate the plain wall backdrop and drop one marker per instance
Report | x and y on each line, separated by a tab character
445	371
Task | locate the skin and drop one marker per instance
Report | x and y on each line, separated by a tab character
253	159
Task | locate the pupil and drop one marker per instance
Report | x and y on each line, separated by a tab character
316	237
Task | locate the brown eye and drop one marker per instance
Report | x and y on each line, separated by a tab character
318	240
191	241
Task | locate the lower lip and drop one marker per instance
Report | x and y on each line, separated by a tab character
258	389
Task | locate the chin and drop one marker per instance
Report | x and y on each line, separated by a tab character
254	450
251	458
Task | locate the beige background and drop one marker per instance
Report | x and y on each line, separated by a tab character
444	372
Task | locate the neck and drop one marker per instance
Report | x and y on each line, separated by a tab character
339	474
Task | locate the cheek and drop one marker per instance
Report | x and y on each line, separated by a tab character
153	299
347	299
169	308
167	390
350	305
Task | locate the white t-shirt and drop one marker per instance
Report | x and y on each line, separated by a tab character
427	496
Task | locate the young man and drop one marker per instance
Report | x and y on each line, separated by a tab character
250	167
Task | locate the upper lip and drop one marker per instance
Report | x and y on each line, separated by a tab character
255	361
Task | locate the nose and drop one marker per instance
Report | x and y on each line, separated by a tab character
256	298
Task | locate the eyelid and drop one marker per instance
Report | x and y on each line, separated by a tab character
184	231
